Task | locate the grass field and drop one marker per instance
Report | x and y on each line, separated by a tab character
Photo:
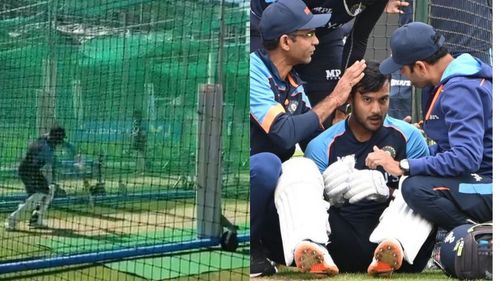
288	273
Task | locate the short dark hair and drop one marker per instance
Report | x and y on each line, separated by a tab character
57	133
373	80
274	43
441	52
270	44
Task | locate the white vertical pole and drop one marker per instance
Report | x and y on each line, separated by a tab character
209	161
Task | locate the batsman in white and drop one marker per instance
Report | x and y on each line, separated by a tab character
35	172
335	235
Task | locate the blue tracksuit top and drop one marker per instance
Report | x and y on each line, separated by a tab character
459	121
280	114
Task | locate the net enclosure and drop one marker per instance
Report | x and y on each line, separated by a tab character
466	25
152	171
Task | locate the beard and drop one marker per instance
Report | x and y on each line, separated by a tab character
366	122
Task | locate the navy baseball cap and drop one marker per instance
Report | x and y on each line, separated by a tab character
410	43
286	16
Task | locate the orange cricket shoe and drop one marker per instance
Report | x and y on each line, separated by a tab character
314	258
388	257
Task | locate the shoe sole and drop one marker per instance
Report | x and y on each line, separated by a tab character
308	258
388	257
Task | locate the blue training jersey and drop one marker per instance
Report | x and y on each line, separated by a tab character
280	115
402	139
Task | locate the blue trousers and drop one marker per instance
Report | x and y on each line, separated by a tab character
265	169
450	202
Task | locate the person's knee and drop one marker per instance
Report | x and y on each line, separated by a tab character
265	169
412	190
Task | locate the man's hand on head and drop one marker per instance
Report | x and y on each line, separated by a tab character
351	77
340	94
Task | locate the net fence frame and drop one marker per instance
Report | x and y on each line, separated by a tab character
205	191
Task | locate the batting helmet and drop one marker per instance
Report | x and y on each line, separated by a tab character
467	252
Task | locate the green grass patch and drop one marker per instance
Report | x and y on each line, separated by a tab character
289	273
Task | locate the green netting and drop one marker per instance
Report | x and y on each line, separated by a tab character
123	77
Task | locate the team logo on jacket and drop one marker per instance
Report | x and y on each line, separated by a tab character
333	74
292	106
477	177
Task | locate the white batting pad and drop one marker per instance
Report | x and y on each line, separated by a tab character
28	205
44	205
400	222
299	201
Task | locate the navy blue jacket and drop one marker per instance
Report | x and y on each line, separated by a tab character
459	121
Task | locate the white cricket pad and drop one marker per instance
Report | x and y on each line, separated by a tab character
28	205
302	211
44	205
401	223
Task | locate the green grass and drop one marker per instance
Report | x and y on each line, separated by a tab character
288	273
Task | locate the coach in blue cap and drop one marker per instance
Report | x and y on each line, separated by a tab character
281	117
452	186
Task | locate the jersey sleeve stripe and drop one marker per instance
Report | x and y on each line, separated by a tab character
270	116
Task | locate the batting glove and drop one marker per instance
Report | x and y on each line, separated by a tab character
367	184
336	178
